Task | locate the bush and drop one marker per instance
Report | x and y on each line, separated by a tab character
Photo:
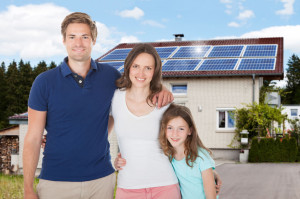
285	150
270	150
293	149
254	151
278	151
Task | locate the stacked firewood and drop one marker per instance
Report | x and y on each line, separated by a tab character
8	145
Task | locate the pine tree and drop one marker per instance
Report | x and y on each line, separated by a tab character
12	96
3	87
52	65
25	82
293	83
41	67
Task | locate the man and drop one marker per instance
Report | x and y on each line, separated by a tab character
72	103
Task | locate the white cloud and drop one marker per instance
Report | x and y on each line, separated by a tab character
234	24
289	33
226	1
288	7
228	4
129	39
135	13
246	14
153	23
32	31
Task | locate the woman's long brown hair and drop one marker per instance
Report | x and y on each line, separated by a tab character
192	142
155	84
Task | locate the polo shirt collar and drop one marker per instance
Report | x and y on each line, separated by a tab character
65	69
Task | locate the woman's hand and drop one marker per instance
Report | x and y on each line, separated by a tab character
119	162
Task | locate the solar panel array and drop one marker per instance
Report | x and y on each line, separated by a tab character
206	57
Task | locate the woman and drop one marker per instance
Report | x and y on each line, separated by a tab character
148	172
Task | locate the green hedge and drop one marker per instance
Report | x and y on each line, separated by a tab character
270	150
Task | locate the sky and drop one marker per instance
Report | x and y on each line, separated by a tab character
30	29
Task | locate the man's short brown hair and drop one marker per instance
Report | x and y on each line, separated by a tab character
79	17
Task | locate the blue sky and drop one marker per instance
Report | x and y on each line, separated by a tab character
30	29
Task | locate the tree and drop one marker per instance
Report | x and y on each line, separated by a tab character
257	118
3	87
52	65
293	81
41	67
25	82
12	97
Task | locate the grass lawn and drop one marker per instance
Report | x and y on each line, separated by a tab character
11	186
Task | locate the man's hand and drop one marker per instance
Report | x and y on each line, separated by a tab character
30	195
163	98
218	182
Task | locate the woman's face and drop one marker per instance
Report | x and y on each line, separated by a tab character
142	70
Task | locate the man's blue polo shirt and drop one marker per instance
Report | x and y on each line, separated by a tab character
77	147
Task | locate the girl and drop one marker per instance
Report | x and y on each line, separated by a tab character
148	173
189	157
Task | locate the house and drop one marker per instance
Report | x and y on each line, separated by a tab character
9	149
292	112
211	77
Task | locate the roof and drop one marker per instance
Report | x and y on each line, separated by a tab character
21	116
275	73
13	130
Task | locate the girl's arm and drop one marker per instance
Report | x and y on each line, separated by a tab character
209	183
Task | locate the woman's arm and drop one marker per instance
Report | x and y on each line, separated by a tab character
209	183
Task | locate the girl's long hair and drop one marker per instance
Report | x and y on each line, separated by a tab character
155	85
192	142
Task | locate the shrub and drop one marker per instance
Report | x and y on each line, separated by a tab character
254	151
293	149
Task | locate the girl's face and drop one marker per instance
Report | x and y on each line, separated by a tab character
177	131
142	70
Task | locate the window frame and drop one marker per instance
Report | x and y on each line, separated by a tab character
180	94
294	109
226	110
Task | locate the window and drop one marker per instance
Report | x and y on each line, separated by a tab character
294	112
179	89
225	119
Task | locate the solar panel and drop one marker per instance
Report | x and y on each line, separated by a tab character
116	65
165	52
260	51
181	65
118	54
218	64
191	52
257	64
226	51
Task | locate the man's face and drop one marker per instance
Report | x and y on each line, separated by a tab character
78	42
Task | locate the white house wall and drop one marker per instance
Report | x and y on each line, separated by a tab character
213	93
287	110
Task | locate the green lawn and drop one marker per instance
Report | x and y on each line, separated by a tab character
11	186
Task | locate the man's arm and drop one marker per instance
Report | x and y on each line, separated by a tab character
31	151
163	98
110	124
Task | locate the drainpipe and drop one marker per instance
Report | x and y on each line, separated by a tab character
253	94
